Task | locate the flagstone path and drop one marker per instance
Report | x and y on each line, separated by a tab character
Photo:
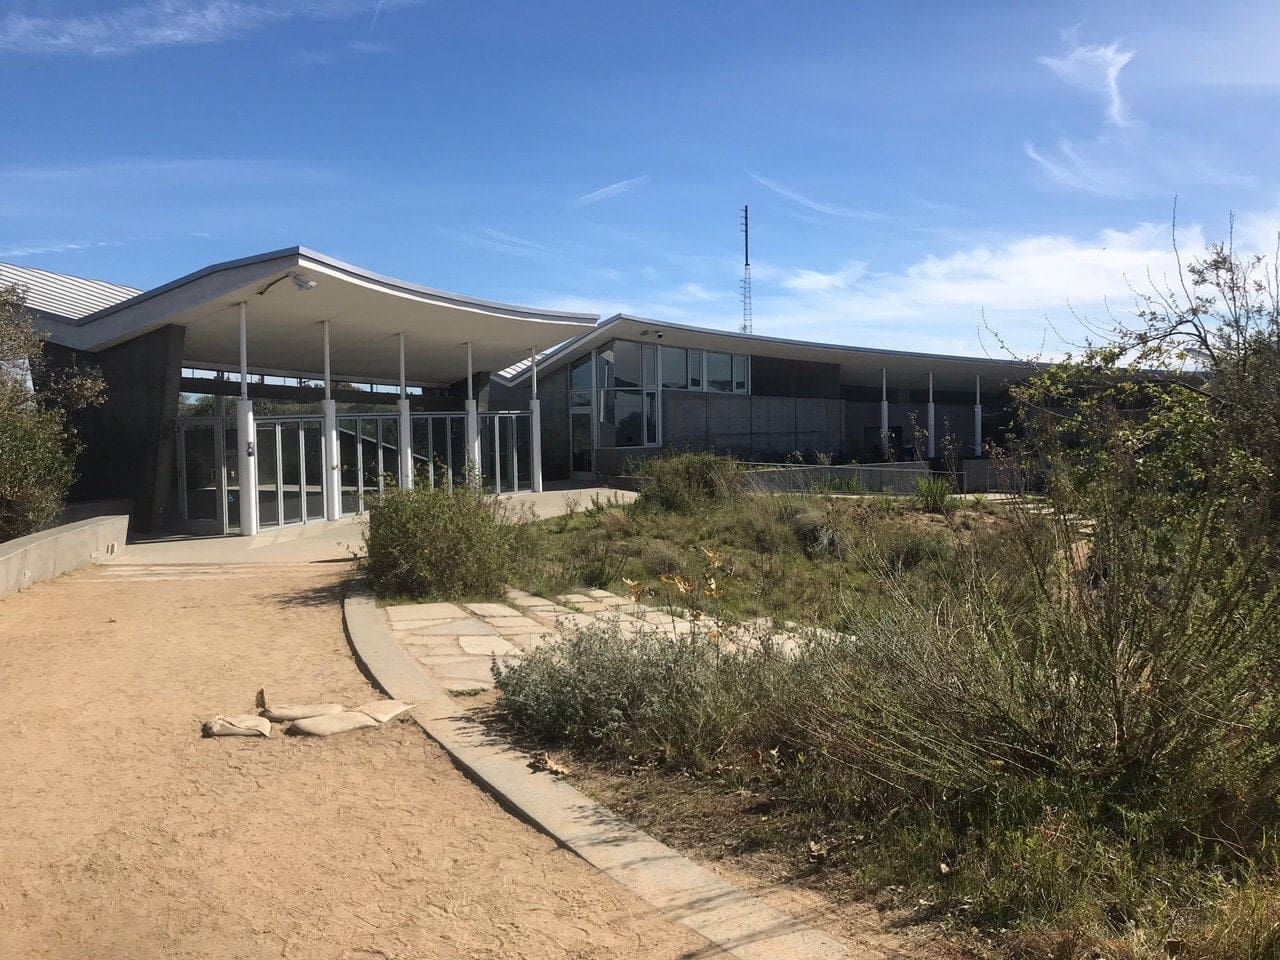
459	644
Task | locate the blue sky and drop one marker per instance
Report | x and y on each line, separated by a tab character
910	166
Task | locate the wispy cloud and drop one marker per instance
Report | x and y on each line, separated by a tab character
1068	168
611	191
44	248
1096	68
831	210
499	241
167	23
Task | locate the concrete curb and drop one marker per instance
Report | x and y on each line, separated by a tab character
742	925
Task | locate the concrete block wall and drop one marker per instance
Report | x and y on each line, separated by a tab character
751	427
129	444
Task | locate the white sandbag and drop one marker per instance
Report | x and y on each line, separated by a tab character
332	723
384	710
283	712
241	725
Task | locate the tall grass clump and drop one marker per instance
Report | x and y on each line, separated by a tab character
444	543
687	481
933	494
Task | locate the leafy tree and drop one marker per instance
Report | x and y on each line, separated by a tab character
1175	416
37	446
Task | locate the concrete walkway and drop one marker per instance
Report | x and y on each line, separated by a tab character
123	833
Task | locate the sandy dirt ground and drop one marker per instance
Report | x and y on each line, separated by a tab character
125	834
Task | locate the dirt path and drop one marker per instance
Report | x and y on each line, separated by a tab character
124	834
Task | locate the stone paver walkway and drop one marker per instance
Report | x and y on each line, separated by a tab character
458	643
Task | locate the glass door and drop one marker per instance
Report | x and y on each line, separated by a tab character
581	445
201	483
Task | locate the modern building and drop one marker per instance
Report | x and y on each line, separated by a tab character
314	384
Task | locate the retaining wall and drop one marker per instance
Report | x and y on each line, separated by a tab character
854	477
51	553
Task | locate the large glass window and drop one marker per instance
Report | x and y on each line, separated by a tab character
675	368
650	365
739	373
622	418
580	385
621	364
695	369
719	372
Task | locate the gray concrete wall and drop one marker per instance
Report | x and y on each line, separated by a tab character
751	427
51	553
129	443
852	478
993	476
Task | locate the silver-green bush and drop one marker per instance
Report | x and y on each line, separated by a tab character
445	543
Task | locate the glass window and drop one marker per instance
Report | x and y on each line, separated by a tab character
719	372
739	373
695	369
621	365
651	417
580	374
650	365
622	418
675	368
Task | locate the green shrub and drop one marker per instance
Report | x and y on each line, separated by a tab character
38	447
933	494
681	701
36	469
687	481
444	543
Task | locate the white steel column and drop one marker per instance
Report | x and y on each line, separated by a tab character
929	421
406	427
977	415
332	451
535	426
884	412
473	427
246	438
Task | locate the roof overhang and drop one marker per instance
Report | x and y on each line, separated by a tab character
858	365
366	312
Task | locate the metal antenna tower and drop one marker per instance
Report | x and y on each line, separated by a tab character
746	271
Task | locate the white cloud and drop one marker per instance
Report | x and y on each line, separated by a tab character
164	23
696	291
1022	286
611	191
1096	68
796	197
817	281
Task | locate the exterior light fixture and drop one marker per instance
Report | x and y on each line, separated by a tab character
302	283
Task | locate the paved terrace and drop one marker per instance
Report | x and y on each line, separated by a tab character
458	643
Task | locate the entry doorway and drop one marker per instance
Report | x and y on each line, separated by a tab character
291	478
581	444
202	480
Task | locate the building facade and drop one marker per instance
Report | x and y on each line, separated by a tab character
290	387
